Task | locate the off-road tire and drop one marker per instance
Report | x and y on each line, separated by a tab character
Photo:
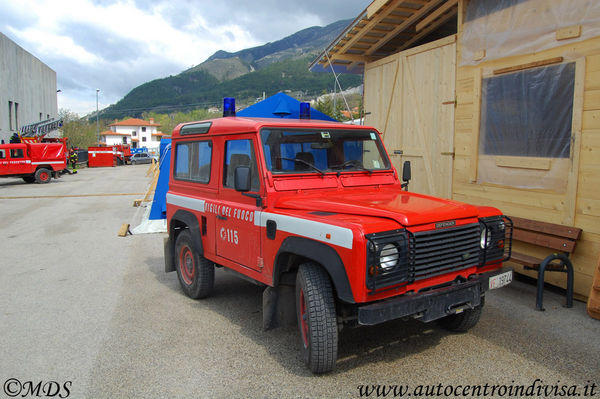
462	322
29	179
316	314
196	273
42	176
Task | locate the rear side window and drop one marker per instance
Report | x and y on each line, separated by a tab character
192	161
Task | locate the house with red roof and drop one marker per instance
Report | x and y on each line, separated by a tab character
136	132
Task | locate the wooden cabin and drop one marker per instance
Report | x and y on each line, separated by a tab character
493	102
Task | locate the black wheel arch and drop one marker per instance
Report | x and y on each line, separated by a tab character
295	250
180	221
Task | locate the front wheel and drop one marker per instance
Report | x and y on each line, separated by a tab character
317	322
464	321
42	176
196	273
29	179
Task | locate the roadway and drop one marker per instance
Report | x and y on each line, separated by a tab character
79	304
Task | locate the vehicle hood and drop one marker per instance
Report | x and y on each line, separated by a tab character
408	209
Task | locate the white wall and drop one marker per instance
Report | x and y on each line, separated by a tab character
27	81
151	141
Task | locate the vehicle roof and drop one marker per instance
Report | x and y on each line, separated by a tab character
238	125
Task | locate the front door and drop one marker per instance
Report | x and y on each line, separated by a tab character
410	98
238	236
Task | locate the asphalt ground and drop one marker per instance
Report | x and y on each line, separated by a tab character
83	307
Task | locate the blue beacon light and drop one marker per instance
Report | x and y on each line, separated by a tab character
228	106
304	110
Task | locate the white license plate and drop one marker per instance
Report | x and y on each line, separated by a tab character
501	280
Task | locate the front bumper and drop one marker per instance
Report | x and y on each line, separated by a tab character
430	305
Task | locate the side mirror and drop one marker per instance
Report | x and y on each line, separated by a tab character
242	179
406	174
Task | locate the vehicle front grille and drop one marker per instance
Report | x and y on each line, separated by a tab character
403	257
437	252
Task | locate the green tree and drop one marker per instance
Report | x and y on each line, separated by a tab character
326	106
79	131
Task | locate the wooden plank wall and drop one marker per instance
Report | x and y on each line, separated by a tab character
580	206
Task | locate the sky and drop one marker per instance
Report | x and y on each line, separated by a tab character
116	45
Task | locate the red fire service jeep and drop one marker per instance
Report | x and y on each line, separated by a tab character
315	212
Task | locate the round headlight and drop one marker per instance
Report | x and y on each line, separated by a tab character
388	258
486	238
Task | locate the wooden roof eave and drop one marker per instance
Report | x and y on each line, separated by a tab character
371	32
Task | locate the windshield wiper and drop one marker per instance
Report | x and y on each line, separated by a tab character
302	161
352	162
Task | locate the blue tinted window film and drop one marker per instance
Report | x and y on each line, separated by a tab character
353	150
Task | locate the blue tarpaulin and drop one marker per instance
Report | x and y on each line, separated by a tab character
280	106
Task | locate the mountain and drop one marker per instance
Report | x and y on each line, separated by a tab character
246	74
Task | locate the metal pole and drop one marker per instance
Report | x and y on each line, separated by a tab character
97	124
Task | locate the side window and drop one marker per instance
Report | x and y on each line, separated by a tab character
16	153
192	161
2	154
240	153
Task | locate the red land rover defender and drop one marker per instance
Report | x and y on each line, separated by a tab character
315	212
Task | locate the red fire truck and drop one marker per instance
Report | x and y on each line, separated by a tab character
33	161
123	152
315	212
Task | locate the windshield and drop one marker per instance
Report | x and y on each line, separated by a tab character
322	151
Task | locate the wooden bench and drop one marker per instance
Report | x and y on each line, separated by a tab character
552	236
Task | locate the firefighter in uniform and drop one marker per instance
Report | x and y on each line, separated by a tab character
73	159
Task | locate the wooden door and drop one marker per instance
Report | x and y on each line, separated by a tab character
410	98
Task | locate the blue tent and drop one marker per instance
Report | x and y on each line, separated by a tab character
159	203
280	106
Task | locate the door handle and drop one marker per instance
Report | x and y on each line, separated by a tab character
447	153
220	217
398	152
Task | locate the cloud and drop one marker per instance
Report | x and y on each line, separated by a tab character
116	45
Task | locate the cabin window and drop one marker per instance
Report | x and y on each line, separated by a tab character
192	161
16	153
2	154
526	125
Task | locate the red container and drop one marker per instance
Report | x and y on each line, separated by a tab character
102	157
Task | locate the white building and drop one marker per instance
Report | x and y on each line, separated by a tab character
136	132
27	89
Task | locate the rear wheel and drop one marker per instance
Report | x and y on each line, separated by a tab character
42	176
462	322
315	310
196	273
